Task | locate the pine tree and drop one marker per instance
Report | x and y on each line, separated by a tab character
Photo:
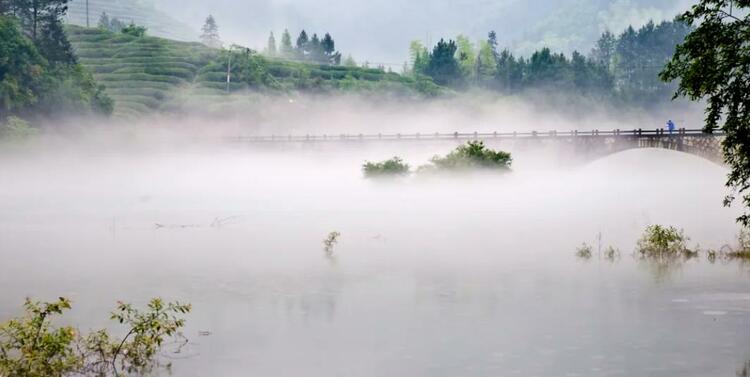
604	52
417	54
329	50
36	14
271	49
492	42
210	36
286	49
54	45
41	21
329	46
316	50
509	72
443	66
302	45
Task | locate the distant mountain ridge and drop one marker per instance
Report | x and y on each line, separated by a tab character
159	23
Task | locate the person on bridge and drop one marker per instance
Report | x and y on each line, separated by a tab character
670	126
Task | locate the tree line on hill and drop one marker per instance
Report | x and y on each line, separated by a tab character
313	49
308	48
39	72
625	66
116	26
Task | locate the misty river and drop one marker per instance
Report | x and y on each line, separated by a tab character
433	276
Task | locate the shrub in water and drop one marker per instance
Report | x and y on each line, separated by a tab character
660	242
330	241
394	166
611	254
584	252
742	251
472	155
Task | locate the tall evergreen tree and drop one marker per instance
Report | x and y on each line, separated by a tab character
210	33
315	50
443	66
329	50
302	47
271	47
286	50
604	51
509	72
35	14
492	42
53	44
328	45
419	57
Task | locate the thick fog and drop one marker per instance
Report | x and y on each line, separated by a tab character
434	275
521	25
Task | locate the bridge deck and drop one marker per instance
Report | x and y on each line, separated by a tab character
636	133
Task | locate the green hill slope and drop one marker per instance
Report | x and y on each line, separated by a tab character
138	11
148	74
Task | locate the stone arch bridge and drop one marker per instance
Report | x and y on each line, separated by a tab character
590	144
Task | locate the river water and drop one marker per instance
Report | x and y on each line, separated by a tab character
438	276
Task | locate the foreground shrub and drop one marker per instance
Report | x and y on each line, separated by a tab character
15	129
472	155
663	243
30	346
394	166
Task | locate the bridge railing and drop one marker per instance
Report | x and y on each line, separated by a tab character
637	133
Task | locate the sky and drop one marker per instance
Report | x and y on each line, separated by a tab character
380	31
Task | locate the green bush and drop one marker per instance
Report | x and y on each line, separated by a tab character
15	129
472	155
393	167
134	30
663	243
584	252
30	346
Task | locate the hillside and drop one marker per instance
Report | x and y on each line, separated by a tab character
158	23
149	74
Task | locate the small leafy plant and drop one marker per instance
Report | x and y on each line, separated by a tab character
472	155
31	346
612	254
330	242
663	243
392	167
584	252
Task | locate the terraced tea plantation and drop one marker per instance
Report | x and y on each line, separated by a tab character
140	12
148	74
141	74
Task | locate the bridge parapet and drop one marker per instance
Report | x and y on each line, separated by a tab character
594	142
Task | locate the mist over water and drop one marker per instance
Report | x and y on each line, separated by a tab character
433	276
